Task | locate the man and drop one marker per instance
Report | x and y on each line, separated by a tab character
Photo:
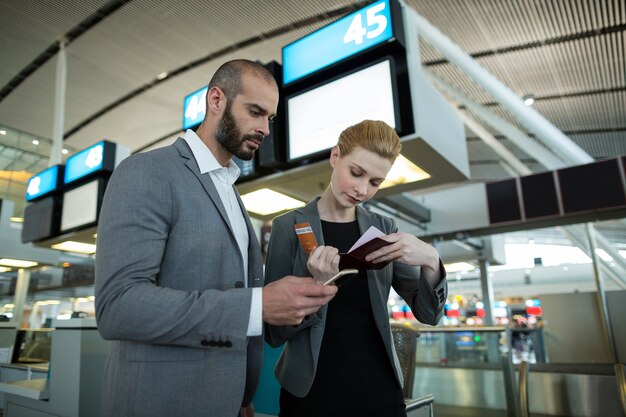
179	270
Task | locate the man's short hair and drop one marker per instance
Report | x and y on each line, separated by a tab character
228	76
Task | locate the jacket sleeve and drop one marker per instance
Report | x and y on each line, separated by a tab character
427	303
282	260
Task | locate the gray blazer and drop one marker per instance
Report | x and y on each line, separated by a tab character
170	292
295	369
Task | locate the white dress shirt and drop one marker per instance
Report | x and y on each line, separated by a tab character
224	179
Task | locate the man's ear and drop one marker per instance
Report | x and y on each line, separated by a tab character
215	100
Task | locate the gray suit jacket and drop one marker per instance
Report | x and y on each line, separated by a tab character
295	369
170	292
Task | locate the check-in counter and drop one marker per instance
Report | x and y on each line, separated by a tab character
73	381
470	372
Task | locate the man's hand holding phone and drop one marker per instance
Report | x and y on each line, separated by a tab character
341	274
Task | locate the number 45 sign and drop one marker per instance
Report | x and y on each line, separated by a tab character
347	36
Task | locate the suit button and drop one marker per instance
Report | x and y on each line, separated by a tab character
212	343
228	343
239	284
220	343
204	342
306	317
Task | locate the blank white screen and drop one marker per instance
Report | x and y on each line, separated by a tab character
80	206
318	116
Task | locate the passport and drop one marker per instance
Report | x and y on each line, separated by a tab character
368	243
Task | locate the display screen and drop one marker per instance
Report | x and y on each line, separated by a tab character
80	206
316	117
41	220
84	162
347	36
539	195
246	168
594	186
503	201
43	183
194	108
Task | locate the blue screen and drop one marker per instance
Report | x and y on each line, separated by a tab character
194	108
84	162
345	37
42	183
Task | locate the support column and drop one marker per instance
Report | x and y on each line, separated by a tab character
56	155
487	288
601	295
19	299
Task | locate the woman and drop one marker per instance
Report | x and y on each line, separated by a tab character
341	361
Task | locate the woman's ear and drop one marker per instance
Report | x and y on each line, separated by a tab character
334	155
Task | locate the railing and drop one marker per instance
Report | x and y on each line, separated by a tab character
621	385
416	404
491	343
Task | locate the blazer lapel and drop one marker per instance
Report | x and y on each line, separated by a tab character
205	180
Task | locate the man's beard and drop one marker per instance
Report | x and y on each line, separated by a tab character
229	136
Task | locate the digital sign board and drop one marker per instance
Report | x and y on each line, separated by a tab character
43	183
98	157
194	108
344	38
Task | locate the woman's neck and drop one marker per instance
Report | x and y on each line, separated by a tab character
330	210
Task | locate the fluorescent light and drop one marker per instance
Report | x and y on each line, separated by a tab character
3	132
529	99
65	151
459	267
162	75
4	269
603	255
71	246
17	263
35	142
15	219
404	171
266	201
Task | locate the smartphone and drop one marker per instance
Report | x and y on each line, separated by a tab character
340	274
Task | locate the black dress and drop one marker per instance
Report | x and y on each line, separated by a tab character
354	374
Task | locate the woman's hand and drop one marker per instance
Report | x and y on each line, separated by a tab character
410	250
323	263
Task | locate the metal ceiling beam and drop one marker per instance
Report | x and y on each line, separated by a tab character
529	117
511	160
539	43
521	139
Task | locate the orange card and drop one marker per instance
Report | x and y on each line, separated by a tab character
306	236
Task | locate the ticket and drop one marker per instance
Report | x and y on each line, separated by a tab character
306	236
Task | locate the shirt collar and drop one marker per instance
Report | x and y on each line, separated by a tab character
206	160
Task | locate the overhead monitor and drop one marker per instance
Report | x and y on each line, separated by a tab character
316	117
43	183
81	206
354	33
98	157
194	108
41	220
246	167
539	195
503	201
594	186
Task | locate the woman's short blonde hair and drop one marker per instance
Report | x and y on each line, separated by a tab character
372	135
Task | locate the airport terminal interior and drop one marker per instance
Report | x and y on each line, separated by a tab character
512	118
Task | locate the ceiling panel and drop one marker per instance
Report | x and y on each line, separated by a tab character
569	53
